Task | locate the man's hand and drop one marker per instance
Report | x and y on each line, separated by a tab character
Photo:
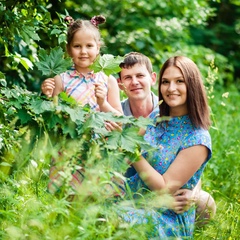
183	200
110	126
48	86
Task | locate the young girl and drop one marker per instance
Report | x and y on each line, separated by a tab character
96	89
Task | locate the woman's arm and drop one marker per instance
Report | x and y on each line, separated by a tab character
187	162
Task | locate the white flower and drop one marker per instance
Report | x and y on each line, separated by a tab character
225	94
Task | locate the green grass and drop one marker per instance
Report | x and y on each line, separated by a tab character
221	177
27	211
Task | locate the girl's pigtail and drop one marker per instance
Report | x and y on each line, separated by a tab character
69	20
96	20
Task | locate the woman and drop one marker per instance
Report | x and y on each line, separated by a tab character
183	148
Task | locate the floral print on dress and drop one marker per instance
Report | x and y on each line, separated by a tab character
169	138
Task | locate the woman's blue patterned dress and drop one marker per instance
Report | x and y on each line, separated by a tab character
170	138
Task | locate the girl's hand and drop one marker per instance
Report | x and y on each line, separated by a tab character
48	87
100	93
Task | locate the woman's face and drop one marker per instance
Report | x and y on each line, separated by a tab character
174	91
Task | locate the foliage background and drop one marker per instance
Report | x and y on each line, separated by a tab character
202	30
206	31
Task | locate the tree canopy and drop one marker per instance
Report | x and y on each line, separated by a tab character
202	30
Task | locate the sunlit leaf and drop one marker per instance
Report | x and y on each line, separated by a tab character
40	106
107	63
24	61
53	63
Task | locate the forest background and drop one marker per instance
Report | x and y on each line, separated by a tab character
206	31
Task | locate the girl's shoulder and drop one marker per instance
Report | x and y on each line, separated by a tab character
69	73
110	80
105	76
100	76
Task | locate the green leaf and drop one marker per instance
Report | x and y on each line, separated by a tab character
117	163
55	31
3	80
75	115
24	116
68	99
113	140
95	120
39	106
54	63
61	38
5	164
31	32
24	61
55	120
107	63
69	128
130	139
142	122
2	76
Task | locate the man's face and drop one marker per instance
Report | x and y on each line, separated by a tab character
136	82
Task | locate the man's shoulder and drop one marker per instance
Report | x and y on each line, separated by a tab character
126	107
124	102
155	99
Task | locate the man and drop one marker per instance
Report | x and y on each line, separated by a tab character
136	79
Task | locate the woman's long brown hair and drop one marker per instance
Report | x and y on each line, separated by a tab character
197	104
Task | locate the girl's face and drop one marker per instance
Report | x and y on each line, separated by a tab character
83	49
174	91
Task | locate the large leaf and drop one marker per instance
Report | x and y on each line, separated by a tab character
24	61
107	63
113	140
54	63
130	139
24	116
76	115
39	106
31	33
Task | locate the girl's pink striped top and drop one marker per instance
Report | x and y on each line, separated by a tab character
81	87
